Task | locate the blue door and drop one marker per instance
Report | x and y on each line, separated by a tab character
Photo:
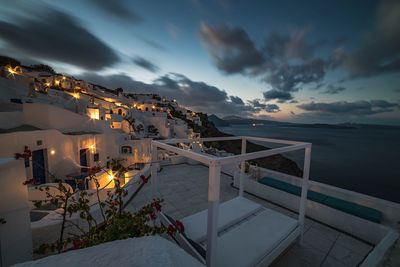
83	159
38	166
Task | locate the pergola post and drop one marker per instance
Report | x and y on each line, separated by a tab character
242	167
153	170
213	210
304	188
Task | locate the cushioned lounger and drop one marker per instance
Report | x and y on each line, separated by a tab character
230	213
333	202
250	242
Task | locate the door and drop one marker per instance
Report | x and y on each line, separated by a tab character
39	166
83	159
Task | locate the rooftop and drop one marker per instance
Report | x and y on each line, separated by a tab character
185	193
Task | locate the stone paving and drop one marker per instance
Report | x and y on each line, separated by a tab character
184	190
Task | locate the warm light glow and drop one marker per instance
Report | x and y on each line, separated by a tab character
134	105
111	176
75	95
92	148
153	107
47	84
64	78
52	152
57	82
12	71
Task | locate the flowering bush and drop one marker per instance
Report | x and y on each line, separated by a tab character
117	223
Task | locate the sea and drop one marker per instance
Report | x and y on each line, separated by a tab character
363	160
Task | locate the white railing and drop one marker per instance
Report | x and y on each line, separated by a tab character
215	163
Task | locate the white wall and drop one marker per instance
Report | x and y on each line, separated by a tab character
15	234
66	147
50	117
11	119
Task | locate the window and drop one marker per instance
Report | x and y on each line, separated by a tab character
126	150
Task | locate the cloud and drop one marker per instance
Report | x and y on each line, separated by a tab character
380	49
286	62
289	78
258	106
195	95
46	33
272	108
152	44
283	46
145	64
358	108
230	48
117	9
256	103
332	89
236	100
280	96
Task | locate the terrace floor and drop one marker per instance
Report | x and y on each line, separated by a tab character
184	190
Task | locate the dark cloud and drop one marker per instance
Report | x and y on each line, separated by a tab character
110	81
145	64
118	9
231	49
258	106
289	78
294	46
272	108
380	49
257	103
358	108
49	34
195	95
236	100
286	61
332	89
280	96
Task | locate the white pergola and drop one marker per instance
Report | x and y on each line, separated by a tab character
215	163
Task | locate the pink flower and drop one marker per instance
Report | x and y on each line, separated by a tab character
171	230
179	226
157	205
144	179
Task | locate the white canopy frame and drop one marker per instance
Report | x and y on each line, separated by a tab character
215	163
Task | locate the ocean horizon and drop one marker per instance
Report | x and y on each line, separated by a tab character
361	160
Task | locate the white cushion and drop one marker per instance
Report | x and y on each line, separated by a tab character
251	241
230	213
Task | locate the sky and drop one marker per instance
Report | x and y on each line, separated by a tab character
297	61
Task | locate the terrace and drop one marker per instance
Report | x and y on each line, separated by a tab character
258	229
185	194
